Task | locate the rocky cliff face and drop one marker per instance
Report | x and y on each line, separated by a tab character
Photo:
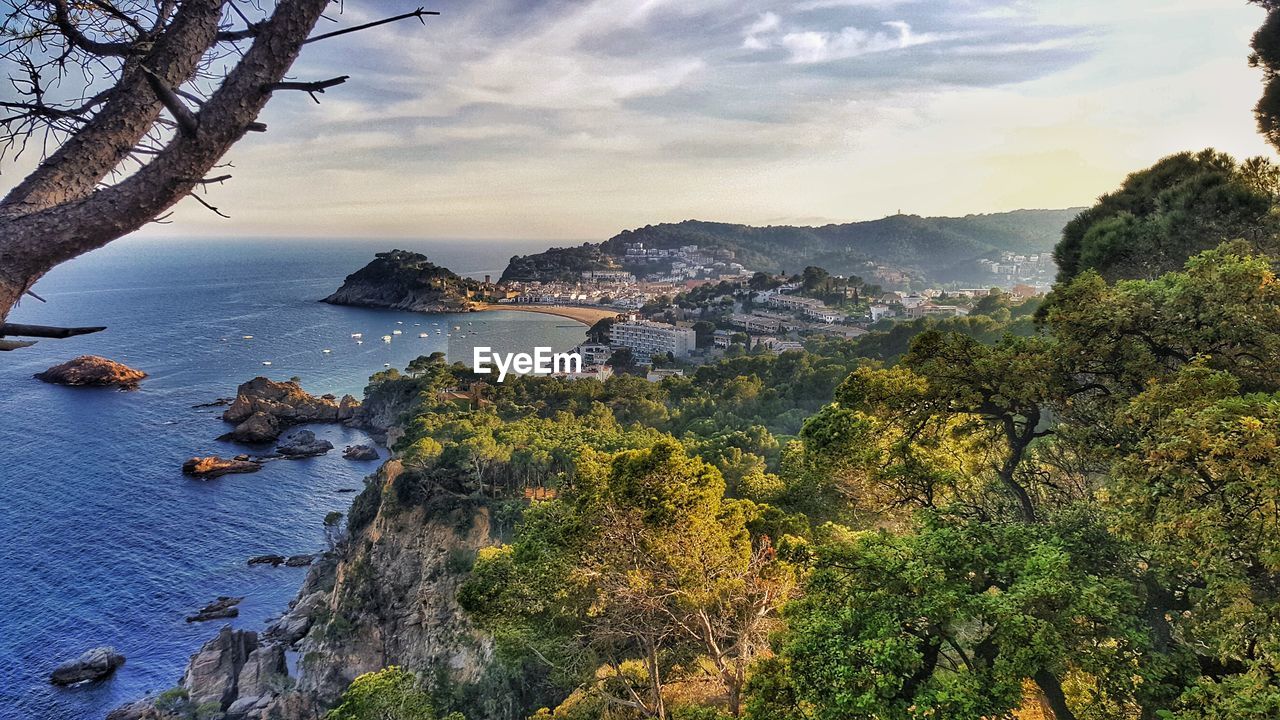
394	601
405	280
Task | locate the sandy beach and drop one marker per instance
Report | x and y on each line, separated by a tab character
585	315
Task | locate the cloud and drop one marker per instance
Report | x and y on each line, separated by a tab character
821	46
766	23
573	119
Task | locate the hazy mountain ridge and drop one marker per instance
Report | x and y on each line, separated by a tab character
931	246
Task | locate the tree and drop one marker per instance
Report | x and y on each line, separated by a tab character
704	331
599	332
643	567
388	694
1182	205
98	78
1266	55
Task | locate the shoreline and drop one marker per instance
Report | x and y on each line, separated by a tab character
586	315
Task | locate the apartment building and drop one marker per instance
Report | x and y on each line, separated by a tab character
646	338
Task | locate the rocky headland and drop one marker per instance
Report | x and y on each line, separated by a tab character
92	371
404	280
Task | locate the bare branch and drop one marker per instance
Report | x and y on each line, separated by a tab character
310	88
181	113
420	13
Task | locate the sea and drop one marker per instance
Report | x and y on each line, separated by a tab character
103	541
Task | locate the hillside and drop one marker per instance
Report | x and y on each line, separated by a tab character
405	281
938	248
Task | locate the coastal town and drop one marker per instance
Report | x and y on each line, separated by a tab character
696	305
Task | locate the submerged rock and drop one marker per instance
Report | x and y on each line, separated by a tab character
94	664
304	444
92	371
214	466
360	452
222	608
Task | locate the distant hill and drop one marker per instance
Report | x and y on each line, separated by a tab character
405	281
938	248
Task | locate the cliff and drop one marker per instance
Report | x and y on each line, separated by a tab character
393	600
386	595
404	280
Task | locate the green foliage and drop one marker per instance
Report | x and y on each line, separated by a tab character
641	568
1184	204
388	694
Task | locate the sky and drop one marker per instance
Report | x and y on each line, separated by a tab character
575	119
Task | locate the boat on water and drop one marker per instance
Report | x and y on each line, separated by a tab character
266	362
359	342
397	332
327	351
422	335
386	338
357	335
246	337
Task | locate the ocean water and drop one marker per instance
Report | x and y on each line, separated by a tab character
102	540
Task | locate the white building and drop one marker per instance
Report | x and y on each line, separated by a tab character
646	339
594	353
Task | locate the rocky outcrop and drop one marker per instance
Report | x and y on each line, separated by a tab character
360	453
303	444
293	625
258	428
405	281
394	600
220	609
386	404
92	371
93	665
272	560
264	408
213	466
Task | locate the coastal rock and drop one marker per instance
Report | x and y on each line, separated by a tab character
405	280
264	408
272	560
92	371
360	452
293	625
416	621
213	466
138	710
299	560
304	444
214	671
261	669
223	607
94	664
258	428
